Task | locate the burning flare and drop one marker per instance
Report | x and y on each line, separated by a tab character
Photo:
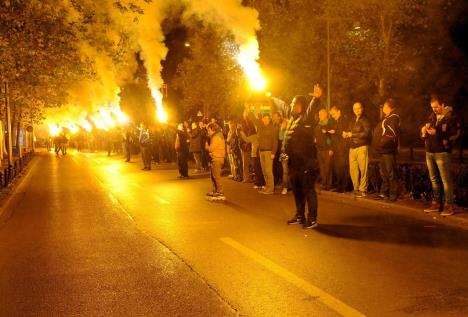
160	112
247	58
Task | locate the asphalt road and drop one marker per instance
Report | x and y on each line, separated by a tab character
94	236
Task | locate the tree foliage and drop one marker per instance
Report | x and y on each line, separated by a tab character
209	79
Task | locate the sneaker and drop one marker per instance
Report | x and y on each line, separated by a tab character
360	194
296	220
265	192
210	194
435	207
284	191
310	224
381	197
449	210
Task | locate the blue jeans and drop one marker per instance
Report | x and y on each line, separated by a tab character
439	165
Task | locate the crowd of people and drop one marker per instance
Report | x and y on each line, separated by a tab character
295	148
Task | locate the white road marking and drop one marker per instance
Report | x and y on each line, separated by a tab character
322	296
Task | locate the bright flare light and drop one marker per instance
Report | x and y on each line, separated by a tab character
160	112
105	115
54	130
98	123
247	58
86	125
122	118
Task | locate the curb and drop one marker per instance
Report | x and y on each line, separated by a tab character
399	207
15	192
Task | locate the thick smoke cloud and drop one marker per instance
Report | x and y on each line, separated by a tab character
129	26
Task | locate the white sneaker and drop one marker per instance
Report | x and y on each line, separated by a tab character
284	191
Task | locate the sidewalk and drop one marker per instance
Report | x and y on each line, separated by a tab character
405	206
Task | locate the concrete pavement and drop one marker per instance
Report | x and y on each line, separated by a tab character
359	261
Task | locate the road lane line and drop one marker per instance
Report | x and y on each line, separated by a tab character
325	298
162	200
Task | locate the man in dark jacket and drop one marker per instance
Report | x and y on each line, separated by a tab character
323	143
438	133
359	135
302	159
340	148
385	143
195	147
267	147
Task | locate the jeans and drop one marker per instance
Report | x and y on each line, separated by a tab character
216	166
325	160
438	165
358	164
388	172
267	169
285	179
303	187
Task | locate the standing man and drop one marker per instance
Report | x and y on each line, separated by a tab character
323	143
267	147
182	150
386	137
302	159
216	150
247	130
359	135
340	149
128	140
145	146
441	129
195	146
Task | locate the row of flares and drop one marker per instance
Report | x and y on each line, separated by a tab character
108	118
104	119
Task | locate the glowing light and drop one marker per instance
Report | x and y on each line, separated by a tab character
122	118
161	114
86	125
73	128
268	94
98	123
247	58
106	117
54	129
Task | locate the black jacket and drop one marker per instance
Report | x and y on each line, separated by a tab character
340	145
386	135
447	130
323	141
299	143
361	131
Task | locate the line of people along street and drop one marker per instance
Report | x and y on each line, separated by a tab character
296	147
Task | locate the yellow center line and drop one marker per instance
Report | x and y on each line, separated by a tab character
325	298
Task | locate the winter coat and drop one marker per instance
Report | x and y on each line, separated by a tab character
447	130
386	135
361	132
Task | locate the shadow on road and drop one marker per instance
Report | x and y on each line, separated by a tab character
398	230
